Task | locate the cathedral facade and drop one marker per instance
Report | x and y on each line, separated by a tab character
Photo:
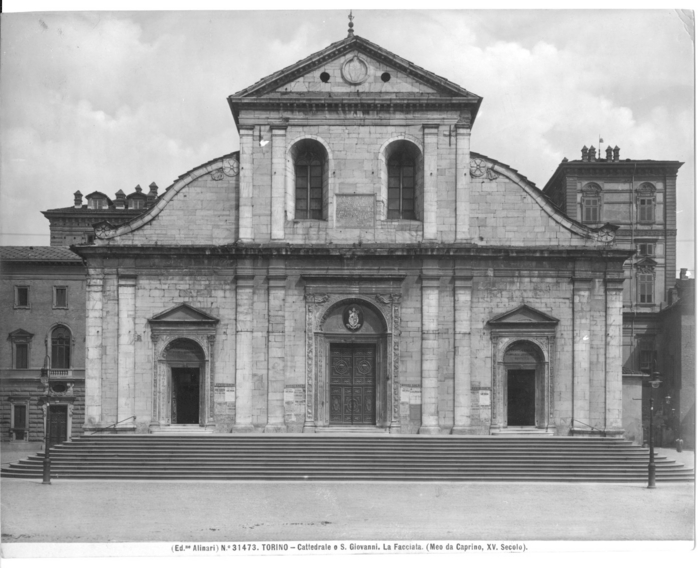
357	267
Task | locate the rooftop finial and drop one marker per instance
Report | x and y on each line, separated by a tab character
350	25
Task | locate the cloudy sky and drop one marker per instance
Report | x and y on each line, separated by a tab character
108	100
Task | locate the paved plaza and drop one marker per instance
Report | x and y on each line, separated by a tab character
137	511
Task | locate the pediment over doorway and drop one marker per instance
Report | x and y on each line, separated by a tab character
184	314
524	315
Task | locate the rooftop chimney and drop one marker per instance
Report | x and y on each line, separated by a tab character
120	201
616	154
608	154
591	154
78	200
138	189
584	154
151	197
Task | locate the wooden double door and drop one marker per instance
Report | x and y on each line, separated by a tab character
185	393
58	424
353	384
521	397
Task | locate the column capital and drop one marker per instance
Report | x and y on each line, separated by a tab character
430	280
127	280
246	129
278	129
245	280
277	280
463	274
581	283
431	129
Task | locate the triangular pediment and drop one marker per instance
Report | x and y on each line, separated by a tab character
524	315
354	64
184	313
20	334
646	263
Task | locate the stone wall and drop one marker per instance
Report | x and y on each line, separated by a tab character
259	349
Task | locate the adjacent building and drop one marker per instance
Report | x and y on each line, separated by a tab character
42	360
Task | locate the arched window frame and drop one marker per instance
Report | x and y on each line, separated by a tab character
61	346
298	154
410	147
401	194
646	203
591	204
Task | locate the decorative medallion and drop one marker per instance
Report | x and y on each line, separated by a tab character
355	70
102	229
217	175
478	167
353	318
230	167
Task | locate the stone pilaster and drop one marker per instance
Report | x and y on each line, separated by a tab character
244	352
462	363
126	387
277	282
279	145
429	354
613	355
245	208
462	182
582	354
93	352
430	161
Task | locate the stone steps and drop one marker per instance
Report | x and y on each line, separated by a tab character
347	458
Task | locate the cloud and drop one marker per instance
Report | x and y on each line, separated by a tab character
109	100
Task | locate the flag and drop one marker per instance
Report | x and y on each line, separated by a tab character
601	140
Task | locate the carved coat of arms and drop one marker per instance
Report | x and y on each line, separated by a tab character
353	318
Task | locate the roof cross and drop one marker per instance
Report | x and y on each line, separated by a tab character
350	25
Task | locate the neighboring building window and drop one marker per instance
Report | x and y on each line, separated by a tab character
97	203
646	209
21	341
308	172
60	297
591	209
645	249
21	296
590	203
645	288
22	356
90	239
402	186
646	359
19	421
60	348
135	203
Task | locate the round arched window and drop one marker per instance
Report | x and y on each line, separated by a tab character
60	348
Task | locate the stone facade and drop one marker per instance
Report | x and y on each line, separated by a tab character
479	307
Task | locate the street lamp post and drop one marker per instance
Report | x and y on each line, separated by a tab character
652	466
47	432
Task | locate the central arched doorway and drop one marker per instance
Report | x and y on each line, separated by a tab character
524	384
353	340
185	360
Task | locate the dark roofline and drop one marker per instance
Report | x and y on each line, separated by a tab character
620	164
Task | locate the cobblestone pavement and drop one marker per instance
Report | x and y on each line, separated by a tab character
141	511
